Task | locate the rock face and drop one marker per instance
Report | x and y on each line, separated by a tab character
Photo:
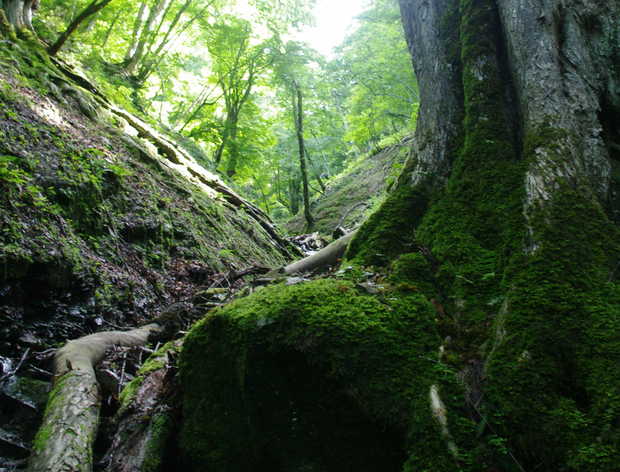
104	220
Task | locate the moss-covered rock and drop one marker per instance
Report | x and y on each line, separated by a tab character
316	376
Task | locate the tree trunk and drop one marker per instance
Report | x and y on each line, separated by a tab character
137	28
219	153
92	8
151	56
19	13
294	182
110	28
299	129
143	37
233	154
509	196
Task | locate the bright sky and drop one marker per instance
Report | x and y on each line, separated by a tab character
334	19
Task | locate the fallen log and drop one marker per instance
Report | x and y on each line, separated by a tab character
329	255
65	439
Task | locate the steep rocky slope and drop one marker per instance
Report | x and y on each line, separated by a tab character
104	222
350	195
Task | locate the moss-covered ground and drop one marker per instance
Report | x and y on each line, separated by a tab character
92	228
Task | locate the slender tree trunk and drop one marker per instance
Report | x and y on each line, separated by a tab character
233	155
299	128
144	36
158	56
137	28
315	171
219	153
110	29
203	103
91	9
151	57
293	193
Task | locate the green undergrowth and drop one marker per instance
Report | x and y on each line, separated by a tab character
316	376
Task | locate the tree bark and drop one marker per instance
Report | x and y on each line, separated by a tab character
508	195
145	31
299	129
149	62
19	13
108	32
65	440
137	28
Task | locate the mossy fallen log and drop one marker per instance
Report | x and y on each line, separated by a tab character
65	439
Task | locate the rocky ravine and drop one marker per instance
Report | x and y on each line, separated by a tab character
104	222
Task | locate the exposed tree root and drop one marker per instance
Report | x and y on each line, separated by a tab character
329	255
65	439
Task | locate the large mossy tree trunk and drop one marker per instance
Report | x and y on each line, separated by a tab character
17	14
511	194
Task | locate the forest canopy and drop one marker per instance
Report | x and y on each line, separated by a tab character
225	77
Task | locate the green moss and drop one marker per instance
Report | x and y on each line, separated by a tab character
475	224
42	437
156	361
389	231
161	428
6	29
412	271
315	375
555	382
129	393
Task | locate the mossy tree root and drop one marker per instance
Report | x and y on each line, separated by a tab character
65	439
